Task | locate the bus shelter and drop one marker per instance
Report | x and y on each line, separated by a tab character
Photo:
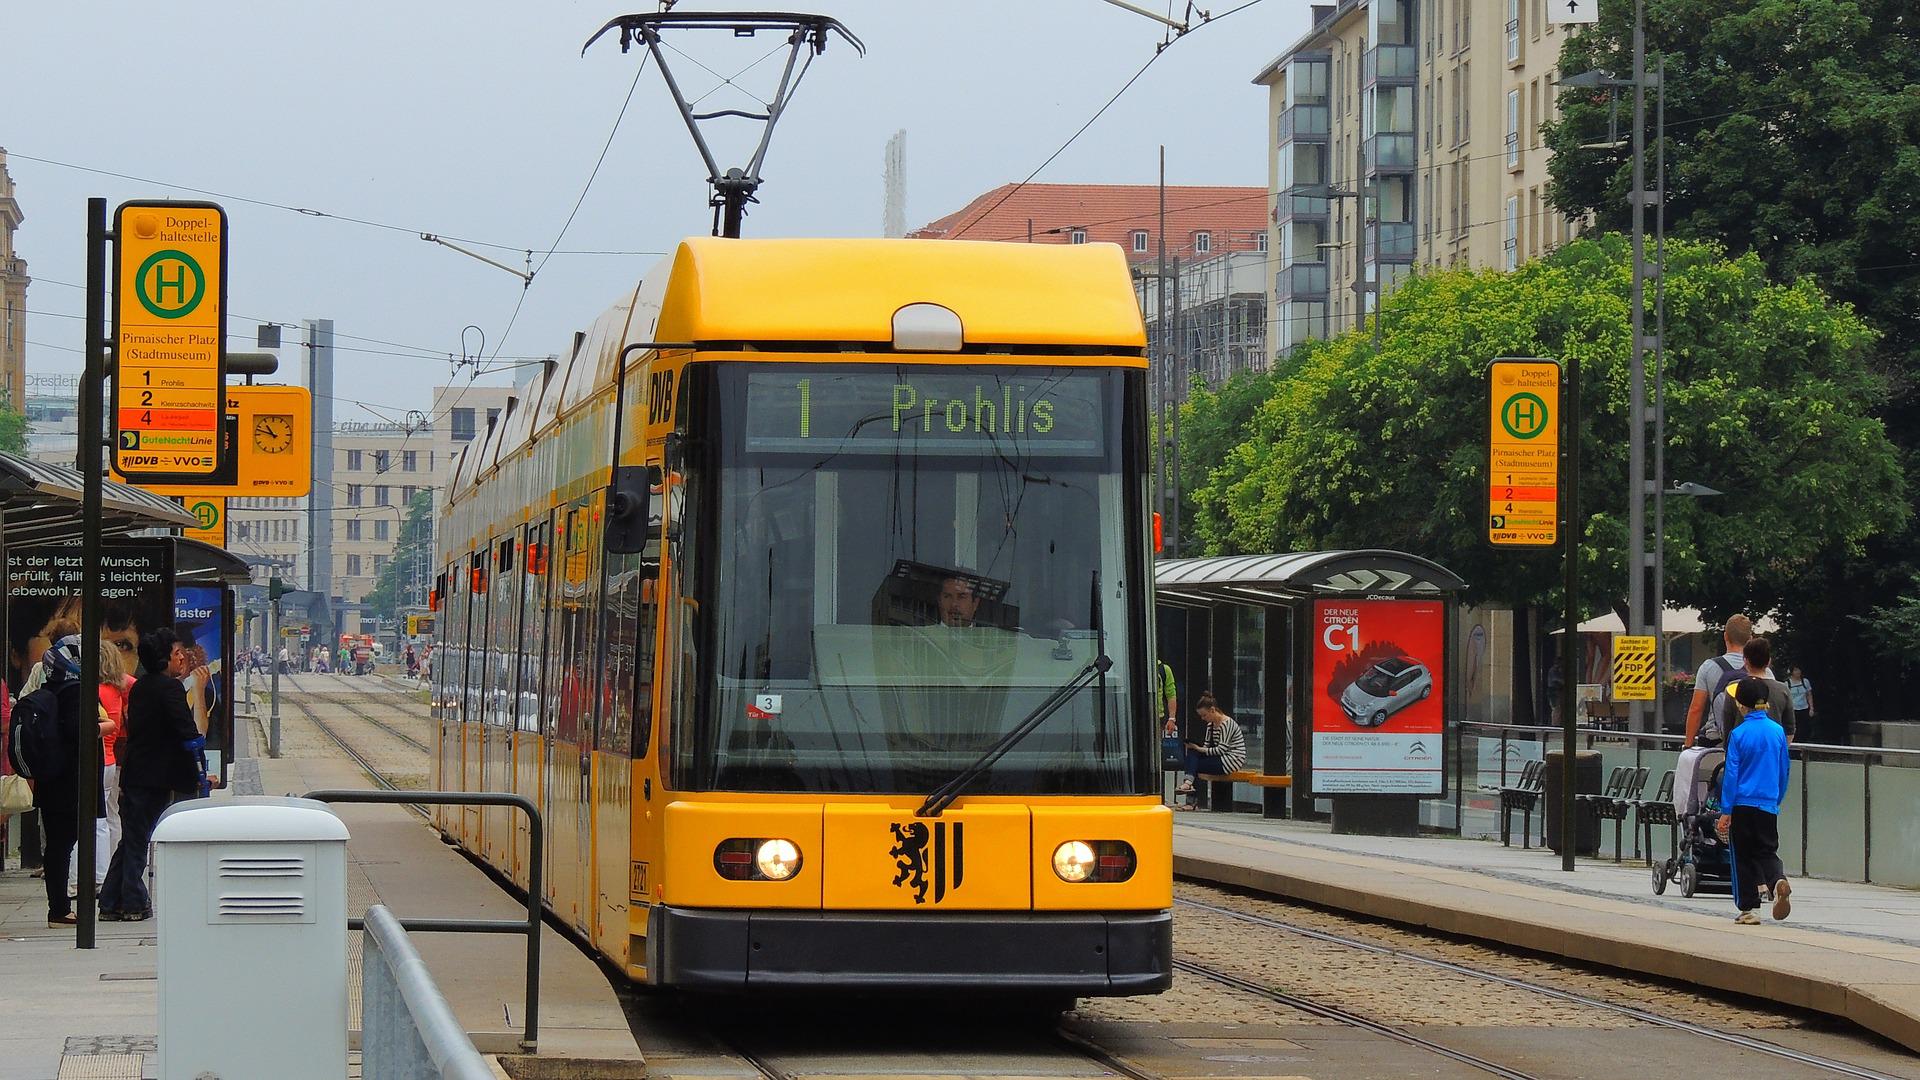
1336	664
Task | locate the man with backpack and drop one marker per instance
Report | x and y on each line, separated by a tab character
44	746
1714	677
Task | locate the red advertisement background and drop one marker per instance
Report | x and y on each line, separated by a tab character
1388	628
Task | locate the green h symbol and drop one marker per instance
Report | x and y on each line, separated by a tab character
178	283
1525	414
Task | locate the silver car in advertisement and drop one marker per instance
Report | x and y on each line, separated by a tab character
1384	689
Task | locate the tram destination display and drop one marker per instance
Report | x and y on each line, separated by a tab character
962	411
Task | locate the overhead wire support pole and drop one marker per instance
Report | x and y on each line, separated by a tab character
523	275
1179	27
1639	617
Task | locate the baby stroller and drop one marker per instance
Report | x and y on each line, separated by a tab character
1699	852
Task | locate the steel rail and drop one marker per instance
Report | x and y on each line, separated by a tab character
1745	1042
350	704
1351	1019
1106	1058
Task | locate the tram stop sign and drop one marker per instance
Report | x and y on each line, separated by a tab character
1523	454
169	339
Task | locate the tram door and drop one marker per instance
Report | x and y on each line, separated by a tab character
530	753
503	628
446	663
473	709
571	681
624	854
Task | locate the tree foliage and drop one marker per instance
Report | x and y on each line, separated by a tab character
1212	423
1793	132
13	430
1769	396
397	584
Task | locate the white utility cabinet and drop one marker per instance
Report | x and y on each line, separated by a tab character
251	898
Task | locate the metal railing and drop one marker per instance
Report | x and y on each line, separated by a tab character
1803	755
536	848
406	1027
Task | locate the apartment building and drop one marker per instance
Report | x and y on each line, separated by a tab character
13	296
1405	134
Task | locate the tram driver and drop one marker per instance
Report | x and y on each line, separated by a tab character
958	605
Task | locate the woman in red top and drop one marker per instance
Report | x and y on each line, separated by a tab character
115	681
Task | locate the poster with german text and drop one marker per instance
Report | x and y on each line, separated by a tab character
1378	714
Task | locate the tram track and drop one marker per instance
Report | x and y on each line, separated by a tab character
1646	1016
352	702
365	764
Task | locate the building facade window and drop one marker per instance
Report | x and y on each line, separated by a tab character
380	495
353	565
382	460
353	529
462	421
1260	242
353	461
1202	242
1513	129
407	493
409	461
1076	236
353	494
1513	31
380	529
1139	240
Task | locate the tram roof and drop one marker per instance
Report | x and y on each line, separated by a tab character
41	502
1290	576
722	290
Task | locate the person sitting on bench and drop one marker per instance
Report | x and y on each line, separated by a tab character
1225	750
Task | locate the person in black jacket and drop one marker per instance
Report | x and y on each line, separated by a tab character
155	769
56	793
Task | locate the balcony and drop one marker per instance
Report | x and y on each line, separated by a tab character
1390	241
1302	201
1303	279
1390	63
1389	151
1303	121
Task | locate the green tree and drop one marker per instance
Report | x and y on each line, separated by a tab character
1793	132
1212	423
397	584
13	430
1768	395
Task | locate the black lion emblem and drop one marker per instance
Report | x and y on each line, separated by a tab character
909	853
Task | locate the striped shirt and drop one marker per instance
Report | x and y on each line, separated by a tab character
1226	740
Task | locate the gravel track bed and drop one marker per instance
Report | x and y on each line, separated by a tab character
1424	994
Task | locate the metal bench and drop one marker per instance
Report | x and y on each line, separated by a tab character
1523	795
1614	807
1220	797
1656	811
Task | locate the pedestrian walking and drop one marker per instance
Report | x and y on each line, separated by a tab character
56	781
155	768
1714	676
1800	691
114	684
1751	787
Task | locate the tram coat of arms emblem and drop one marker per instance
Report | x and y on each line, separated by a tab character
920	853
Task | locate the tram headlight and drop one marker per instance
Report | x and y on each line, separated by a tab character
1094	860
1073	860
777	860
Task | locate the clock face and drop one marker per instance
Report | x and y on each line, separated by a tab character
273	434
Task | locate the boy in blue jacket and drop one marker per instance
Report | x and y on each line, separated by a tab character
1751	788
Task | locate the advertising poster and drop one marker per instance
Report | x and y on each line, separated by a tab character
43	598
198	619
1378	717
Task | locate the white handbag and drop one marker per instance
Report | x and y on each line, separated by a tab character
16	796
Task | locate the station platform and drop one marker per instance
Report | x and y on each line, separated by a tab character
1849	950
72	1012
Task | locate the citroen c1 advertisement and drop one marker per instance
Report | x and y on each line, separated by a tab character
1378	713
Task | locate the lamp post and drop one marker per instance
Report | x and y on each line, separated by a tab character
1646	593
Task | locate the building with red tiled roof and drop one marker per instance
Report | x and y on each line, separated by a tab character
1201	221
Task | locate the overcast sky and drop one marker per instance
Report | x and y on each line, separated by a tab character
481	120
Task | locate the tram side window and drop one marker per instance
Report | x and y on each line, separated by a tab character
573	612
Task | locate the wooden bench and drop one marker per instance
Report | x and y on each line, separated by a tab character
1221	798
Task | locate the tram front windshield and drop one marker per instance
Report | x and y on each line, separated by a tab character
909	560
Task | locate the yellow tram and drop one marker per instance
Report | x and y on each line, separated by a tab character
809	598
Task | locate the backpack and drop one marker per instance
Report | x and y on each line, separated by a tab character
33	741
1711	726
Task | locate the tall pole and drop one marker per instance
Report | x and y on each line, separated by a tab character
1178	364
1360	230
1570	637
1659	384
90	442
1162	380
273	680
1637	562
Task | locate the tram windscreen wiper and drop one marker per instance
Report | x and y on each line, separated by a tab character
1096	669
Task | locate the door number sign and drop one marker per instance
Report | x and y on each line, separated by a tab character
1523	453
169	340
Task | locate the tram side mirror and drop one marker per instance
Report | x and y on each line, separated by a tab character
633	512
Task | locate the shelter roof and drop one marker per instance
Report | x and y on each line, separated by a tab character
196	562
40	502
1300	575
